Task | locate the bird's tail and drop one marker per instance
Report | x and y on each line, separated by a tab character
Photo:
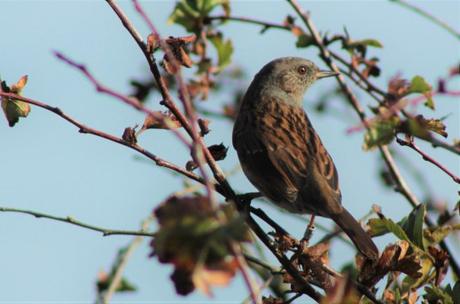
357	234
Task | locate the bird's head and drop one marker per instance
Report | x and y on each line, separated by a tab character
291	76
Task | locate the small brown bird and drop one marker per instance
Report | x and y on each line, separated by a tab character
282	155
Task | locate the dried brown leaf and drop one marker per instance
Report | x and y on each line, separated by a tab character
129	135
206	277
161	120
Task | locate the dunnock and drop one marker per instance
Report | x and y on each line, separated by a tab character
282	155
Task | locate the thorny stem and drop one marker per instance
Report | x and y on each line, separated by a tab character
73	221
411	144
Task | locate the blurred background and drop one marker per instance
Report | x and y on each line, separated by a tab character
47	166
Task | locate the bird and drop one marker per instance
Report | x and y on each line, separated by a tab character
282	155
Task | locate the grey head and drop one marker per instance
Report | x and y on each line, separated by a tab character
286	78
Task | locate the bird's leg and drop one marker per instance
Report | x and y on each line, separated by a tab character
308	232
303	243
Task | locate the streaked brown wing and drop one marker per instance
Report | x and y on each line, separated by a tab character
282	145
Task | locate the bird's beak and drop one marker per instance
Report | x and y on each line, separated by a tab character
324	74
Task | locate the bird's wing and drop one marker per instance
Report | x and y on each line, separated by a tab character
292	148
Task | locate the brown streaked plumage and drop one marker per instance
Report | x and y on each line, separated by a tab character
283	156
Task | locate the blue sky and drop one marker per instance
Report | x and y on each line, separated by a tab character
48	166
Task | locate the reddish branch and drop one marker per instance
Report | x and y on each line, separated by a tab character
88	130
327	56
228	192
411	144
387	157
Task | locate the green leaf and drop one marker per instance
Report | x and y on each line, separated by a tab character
420	85
190	13
304	41
224	50
380	133
409	282
366	42
413	225
437	295
420	126
439	233
13	108
456	292
186	15
383	226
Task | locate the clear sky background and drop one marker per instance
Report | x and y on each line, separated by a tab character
47	166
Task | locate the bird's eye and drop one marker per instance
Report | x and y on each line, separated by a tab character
302	70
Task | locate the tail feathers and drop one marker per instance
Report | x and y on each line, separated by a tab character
357	234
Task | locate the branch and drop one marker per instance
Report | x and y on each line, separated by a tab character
73	221
411	144
226	189
365	83
118	275
429	16
87	130
402	186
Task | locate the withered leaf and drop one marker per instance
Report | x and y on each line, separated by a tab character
204	126
13	108
196	241
161	120
420	126
129	135
205	277
218	152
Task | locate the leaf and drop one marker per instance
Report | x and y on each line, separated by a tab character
204	126
218	152
185	15
456	292
414	282
437	234
436	295
194	237
224	50
13	108
161	120
204	278
385	225
380	133
420	126
419	85
366	42
129	135
413	225
104	279
304	41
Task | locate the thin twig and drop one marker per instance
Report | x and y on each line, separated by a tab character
87	130
429	16
402	186
370	89
133	102
226	189
243	267
73	221
118	275
198	145
411	144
